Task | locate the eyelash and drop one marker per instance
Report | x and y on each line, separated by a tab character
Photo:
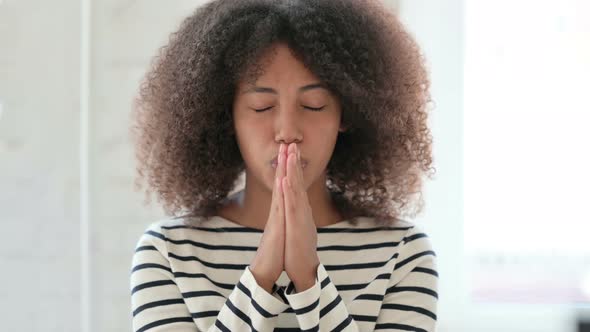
313	109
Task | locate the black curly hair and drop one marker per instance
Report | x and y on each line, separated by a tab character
182	118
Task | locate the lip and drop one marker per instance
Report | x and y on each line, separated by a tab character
273	162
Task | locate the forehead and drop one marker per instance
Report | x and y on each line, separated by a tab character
263	89
278	65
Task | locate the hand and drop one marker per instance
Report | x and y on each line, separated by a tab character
268	264
301	258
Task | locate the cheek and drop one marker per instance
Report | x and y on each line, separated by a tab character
250	131
326	127
324	138
251	137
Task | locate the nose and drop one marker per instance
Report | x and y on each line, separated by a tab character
288	126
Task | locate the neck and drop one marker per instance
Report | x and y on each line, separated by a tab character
250	207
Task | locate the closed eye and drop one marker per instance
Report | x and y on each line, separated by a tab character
314	109
318	109
262	110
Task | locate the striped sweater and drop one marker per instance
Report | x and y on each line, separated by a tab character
197	278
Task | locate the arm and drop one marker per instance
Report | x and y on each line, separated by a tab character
409	302
158	304
411	298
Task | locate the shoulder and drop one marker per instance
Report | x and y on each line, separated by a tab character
415	238
158	233
411	239
168	224
415	250
417	233
399	231
162	226
406	231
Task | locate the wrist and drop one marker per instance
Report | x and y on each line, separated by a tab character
260	280
303	285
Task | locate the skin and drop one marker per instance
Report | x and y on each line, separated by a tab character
286	91
286	121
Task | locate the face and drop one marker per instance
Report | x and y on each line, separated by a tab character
286	104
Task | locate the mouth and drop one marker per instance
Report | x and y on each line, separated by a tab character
274	163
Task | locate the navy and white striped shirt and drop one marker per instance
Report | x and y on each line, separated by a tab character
197	278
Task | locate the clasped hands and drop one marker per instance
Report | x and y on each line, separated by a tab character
300	248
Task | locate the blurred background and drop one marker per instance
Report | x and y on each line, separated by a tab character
506	211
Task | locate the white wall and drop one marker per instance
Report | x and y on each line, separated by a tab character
124	36
43	252
39	207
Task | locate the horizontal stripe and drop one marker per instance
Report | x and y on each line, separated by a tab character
361	268
413	257
395	326
150	266
358	266
145	248
188	295
350	287
403	307
359	247
152	284
425	270
200	244
208	264
364	318
204	245
371	297
228	266
307	309
165	321
398	289
214	229
205	314
319	230
157	304
362	230
178	275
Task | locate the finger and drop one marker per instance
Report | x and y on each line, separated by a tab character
289	207
300	171
292	172
281	171
281	175
276	199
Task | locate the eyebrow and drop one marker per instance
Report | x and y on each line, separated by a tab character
261	89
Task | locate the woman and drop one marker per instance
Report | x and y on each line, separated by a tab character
323	106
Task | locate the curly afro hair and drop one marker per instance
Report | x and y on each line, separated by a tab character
182	127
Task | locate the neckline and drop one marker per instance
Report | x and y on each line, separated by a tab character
233	224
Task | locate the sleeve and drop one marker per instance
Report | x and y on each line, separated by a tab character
306	304
411	298
409	303
157	303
